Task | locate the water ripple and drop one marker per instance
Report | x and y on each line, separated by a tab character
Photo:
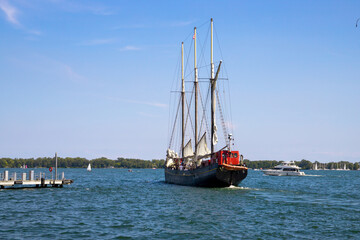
117	204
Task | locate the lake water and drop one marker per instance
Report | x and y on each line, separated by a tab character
117	204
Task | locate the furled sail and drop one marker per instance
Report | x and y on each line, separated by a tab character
170	155
188	151
215	137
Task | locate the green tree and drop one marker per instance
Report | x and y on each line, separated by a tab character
305	164
356	166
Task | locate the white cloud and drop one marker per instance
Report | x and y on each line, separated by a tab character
34	32
99	42
153	104
45	66
147	114
74	6
101	11
10	12
72	74
129	48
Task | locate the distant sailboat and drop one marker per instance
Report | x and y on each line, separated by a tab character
315	166
89	168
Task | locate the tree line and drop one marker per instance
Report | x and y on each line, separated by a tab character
46	162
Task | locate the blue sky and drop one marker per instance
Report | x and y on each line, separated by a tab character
92	78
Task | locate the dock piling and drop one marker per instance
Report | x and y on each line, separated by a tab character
55	166
31	175
43	182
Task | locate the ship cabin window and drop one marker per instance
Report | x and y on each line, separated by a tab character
277	168
235	155
224	156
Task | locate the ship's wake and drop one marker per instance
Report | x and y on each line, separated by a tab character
241	188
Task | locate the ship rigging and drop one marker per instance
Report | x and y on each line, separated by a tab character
201	166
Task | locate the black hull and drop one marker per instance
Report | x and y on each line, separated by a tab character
209	176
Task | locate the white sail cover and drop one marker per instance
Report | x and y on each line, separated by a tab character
170	155
215	137
202	148
188	151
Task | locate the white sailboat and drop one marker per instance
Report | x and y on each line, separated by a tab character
89	168
315	166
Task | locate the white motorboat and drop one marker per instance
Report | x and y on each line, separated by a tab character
284	169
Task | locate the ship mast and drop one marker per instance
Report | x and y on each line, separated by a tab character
196	91
213	88
182	100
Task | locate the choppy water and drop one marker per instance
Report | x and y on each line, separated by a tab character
117	204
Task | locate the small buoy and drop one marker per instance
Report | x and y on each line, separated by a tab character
50	169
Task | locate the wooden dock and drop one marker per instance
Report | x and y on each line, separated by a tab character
31	181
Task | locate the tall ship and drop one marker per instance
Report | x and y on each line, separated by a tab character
200	166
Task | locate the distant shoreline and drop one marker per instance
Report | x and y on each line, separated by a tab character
77	168
78	162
